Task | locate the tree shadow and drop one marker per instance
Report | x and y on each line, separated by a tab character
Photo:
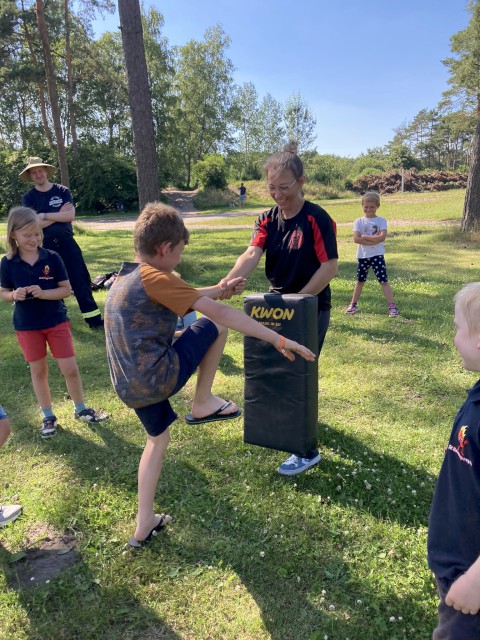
63	599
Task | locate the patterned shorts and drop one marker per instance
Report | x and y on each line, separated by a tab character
378	266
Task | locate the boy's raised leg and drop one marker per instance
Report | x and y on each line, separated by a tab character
204	402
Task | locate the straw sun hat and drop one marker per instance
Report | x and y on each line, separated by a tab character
32	163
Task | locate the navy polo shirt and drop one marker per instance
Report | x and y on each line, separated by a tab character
454	530
48	201
33	314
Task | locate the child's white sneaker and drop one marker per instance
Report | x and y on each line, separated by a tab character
9	513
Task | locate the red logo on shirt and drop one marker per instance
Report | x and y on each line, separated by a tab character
296	240
462	442
46	273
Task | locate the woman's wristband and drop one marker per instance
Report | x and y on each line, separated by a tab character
45	216
281	346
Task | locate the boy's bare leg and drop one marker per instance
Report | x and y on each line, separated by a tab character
39	375
148	475
5	430
387	292
69	369
204	402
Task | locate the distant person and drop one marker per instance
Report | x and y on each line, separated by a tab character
454	528
147	369
369	232
243	194
56	212
299	241
35	280
8	512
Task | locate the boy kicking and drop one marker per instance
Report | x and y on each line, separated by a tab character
141	314
454	530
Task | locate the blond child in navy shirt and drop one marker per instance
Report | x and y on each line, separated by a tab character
34	279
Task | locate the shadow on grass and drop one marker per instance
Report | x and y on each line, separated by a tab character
211	530
74	605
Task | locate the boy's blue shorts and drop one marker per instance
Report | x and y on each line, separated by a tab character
191	347
3	415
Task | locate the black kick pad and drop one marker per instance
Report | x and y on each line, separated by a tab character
281	397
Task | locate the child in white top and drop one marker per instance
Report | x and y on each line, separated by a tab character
369	232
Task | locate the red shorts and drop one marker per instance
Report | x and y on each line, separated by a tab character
58	338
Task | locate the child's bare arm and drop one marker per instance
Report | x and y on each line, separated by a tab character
225	289
239	321
376	237
369	240
14	295
464	594
62	291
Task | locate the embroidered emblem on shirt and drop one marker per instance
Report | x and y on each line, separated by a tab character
46	273
296	240
55	201
462	442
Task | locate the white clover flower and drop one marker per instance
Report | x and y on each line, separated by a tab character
359	601
392	619
331	607
262	554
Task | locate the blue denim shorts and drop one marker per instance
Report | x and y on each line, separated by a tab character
191	347
3	415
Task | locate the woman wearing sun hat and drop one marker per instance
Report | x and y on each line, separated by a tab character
54	205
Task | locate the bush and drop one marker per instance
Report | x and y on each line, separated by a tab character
211	172
11	165
103	180
214	198
425	181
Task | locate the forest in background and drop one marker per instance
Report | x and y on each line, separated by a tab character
208	130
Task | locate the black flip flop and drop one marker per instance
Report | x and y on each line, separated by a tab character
215	416
138	544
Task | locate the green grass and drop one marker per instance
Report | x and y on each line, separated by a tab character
334	553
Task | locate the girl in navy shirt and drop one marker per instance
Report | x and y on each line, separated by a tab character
35	280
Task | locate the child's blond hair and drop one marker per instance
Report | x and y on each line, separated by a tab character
373	196
156	224
19	217
468	299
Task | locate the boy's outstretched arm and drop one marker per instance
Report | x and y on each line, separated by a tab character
464	594
239	321
225	289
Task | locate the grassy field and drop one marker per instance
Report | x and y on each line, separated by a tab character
336	553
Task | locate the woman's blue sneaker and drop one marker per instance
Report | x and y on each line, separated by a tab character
295	465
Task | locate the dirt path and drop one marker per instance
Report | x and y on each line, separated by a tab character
182	201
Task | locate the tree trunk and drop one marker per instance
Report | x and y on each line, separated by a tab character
471	209
52	92
70	88
41	88
140	101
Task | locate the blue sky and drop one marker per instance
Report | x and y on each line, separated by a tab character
364	68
